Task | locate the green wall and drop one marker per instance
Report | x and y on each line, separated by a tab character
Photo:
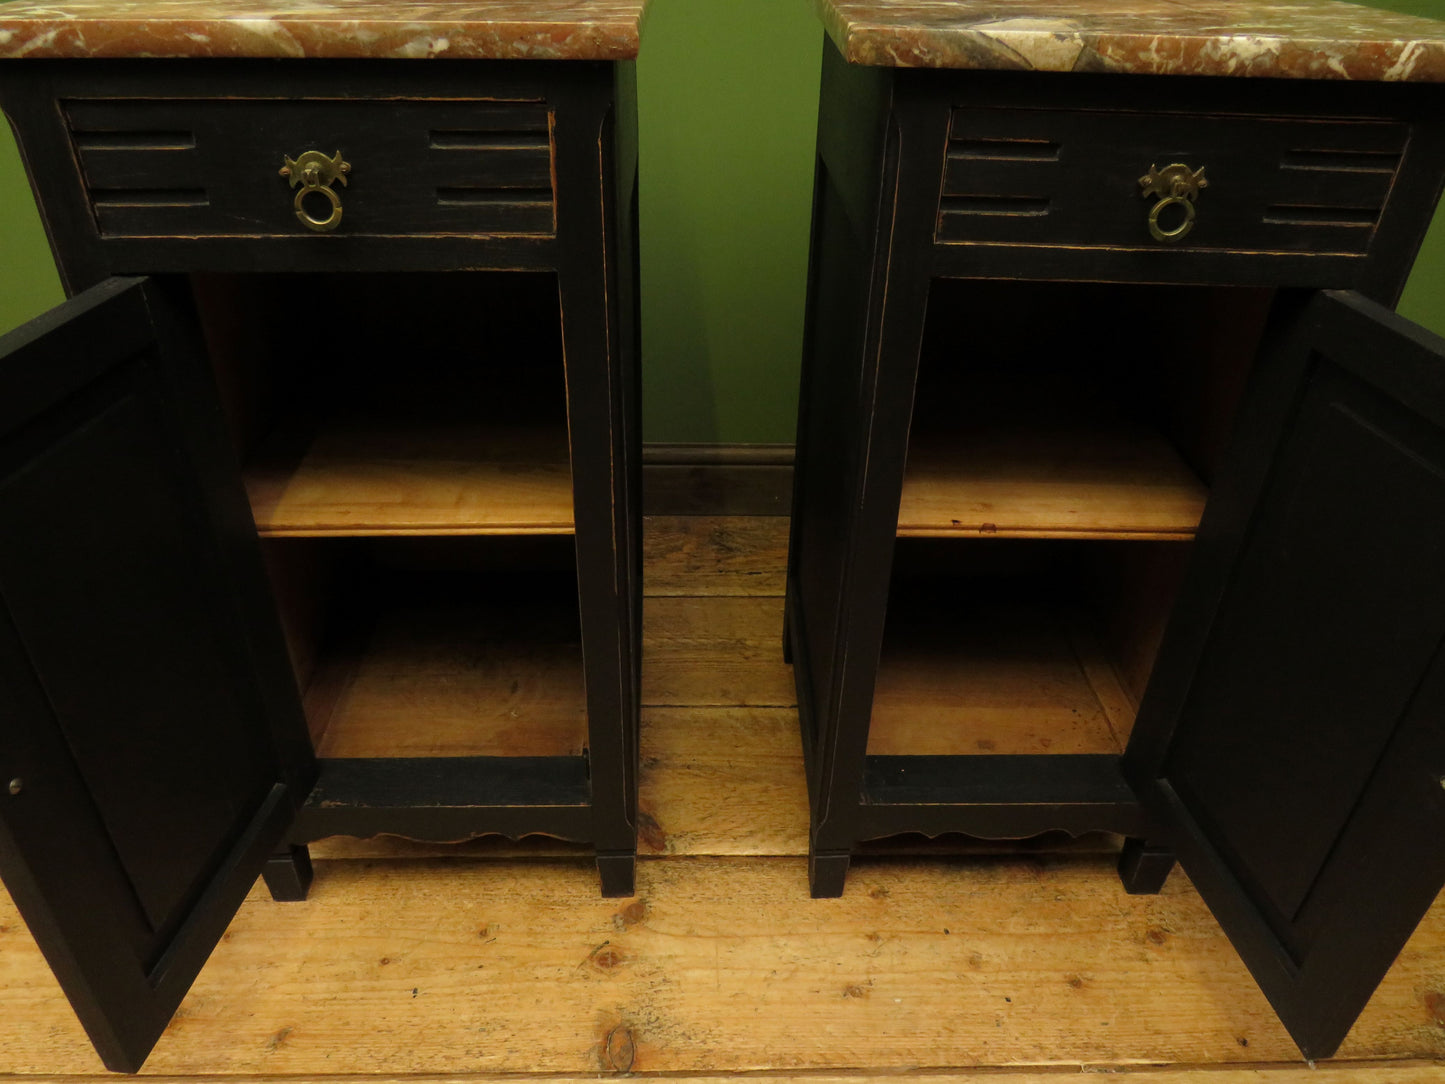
1424	297
728	117
727	113
28	282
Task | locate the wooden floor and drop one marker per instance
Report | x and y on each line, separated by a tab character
503	959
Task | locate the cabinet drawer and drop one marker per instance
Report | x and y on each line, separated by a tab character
169	168
1072	178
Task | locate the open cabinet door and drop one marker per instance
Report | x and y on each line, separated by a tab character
151	742
1292	738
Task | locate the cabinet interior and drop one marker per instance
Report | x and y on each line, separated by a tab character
384	404
434	647
1063	440
403	442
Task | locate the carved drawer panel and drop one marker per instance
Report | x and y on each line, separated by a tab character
1082	179
213	167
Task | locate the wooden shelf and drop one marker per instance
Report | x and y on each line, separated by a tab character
429	677
1093	479
995	678
352	478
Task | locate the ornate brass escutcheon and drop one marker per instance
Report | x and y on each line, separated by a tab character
1174	186
315	173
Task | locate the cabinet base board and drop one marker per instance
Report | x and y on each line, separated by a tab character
444	799
997	796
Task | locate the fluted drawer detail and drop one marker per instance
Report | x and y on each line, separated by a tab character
209	167
1070	177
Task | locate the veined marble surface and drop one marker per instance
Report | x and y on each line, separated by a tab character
1298	39
493	29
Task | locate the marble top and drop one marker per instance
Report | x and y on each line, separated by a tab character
464	29
1297	39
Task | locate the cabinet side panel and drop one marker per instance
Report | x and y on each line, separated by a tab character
603	450
829	443
848	182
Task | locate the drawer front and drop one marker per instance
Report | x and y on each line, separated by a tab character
212	167
1072	178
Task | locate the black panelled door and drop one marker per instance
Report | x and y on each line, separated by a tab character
1293	734
151	744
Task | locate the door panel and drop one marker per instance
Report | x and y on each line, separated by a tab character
155	759
1299	693
1294	731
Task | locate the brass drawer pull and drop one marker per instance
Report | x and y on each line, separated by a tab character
1174	185
314	172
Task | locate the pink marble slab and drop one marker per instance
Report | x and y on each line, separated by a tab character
494	29
1298	39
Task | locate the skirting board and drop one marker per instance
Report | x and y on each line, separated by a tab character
717	479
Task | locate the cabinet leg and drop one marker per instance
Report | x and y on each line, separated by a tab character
618	870
827	870
1143	866
287	873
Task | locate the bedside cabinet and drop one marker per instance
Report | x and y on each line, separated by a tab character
324	519
1120	494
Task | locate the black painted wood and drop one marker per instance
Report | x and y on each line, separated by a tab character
169	166
131	833
288	874
924	175
1144	866
192	168
103	127
828	872
618	872
850	179
1291	735
998	796
1273	184
421	139
596	141
448	798
851	612
1277	154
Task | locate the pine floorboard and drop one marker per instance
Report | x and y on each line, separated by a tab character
494	961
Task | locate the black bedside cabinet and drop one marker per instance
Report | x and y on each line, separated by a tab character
331	524
1120	496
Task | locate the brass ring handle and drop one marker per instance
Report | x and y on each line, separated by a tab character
1158	232
1174	185
320	225
314	172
